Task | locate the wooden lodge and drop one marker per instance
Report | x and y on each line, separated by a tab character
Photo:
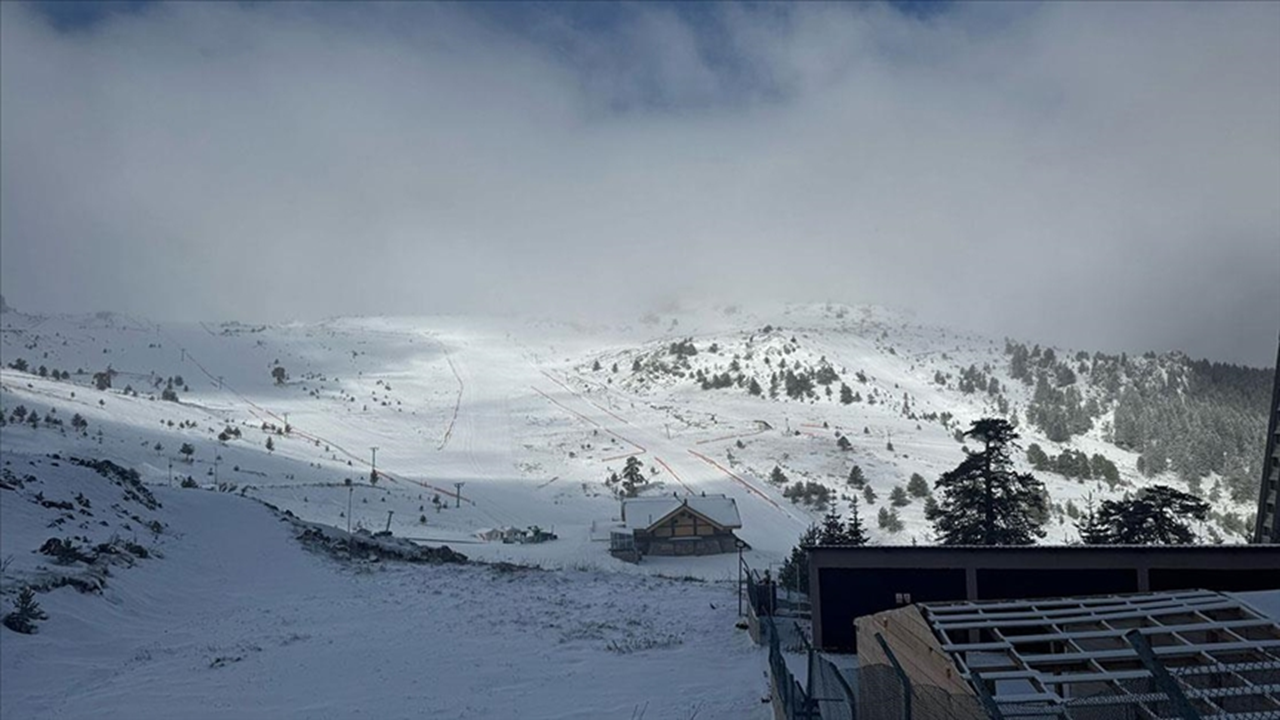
690	525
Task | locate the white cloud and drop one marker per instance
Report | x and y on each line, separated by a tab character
1107	175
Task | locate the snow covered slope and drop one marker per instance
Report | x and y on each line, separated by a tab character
223	614
483	423
133	455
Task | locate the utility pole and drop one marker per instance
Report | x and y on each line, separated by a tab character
219	382
184	354
170	472
373	475
389	520
458	493
350	490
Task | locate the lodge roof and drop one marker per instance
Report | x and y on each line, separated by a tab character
644	513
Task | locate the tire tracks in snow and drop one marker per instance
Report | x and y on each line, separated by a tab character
750	487
263	413
457	404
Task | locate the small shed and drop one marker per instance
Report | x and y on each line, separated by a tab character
675	525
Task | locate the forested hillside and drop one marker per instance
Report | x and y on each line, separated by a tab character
1191	417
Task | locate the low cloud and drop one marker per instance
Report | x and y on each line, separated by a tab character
1099	175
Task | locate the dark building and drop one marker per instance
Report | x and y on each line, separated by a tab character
1267	530
850	582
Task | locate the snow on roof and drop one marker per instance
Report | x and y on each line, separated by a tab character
642	513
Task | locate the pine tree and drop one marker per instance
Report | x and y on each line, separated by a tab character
271	446
846	394
632	477
898	497
1159	515
918	486
869	494
832	532
854	532
930	508
856	478
984	502
889	521
26	612
795	569
777	477
1037	457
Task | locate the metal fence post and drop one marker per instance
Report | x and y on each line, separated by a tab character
1164	681
902	676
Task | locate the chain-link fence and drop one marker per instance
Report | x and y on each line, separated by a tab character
833	692
823	693
790	696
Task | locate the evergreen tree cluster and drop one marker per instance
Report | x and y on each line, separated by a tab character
1061	413
808	492
1058	407
1191	417
21	365
972	380
832	531
795	569
1196	418
683	349
1074	464
887	519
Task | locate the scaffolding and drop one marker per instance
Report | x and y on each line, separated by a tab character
1193	654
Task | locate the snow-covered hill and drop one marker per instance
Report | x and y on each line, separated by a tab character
140	462
483	423
203	605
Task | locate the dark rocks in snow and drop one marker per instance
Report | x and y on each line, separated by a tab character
345	545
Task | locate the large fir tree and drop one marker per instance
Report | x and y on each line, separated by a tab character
1159	515
983	501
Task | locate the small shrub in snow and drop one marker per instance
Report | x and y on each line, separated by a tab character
26	613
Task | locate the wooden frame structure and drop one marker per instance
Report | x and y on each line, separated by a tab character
847	582
1063	657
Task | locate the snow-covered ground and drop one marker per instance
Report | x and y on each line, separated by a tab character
530	416
479	423
230	617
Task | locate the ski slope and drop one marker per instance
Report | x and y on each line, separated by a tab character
230	617
527	417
